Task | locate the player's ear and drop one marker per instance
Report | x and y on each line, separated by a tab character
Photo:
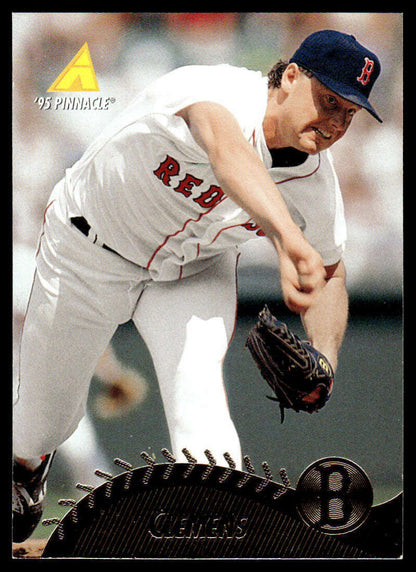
290	75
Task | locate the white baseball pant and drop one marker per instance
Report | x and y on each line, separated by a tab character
81	293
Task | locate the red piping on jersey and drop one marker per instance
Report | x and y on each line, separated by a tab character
250	219
219	232
43	225
34	277
181	230
227	228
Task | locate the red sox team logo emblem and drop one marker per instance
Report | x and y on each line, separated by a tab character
366	72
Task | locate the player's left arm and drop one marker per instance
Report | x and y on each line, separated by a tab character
325	321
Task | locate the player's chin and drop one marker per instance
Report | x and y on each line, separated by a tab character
312	143
308	145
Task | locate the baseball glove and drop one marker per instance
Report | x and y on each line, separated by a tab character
300	376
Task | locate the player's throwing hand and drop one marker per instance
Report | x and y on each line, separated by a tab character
302	271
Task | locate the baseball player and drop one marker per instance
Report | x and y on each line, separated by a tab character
146	226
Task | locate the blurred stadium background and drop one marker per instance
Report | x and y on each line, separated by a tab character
364	418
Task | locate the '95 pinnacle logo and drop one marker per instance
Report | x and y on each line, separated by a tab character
74	103
77	76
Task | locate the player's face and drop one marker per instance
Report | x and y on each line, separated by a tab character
312	117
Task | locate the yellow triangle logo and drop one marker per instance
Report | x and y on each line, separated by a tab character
78	75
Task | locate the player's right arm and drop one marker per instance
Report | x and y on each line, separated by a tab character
244	178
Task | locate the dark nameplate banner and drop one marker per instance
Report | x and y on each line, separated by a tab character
190	510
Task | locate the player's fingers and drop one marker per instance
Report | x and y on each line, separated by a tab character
310	284
311	277
296	300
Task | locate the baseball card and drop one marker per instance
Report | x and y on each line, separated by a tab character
207	245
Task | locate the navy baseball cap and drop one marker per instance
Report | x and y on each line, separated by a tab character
342	64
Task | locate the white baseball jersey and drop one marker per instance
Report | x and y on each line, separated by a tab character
148	191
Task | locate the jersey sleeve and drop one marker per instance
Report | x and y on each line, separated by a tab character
313	196
330	235
243	92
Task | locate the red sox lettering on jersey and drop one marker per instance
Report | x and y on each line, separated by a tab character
207	199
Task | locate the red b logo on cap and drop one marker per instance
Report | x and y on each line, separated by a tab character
366	72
